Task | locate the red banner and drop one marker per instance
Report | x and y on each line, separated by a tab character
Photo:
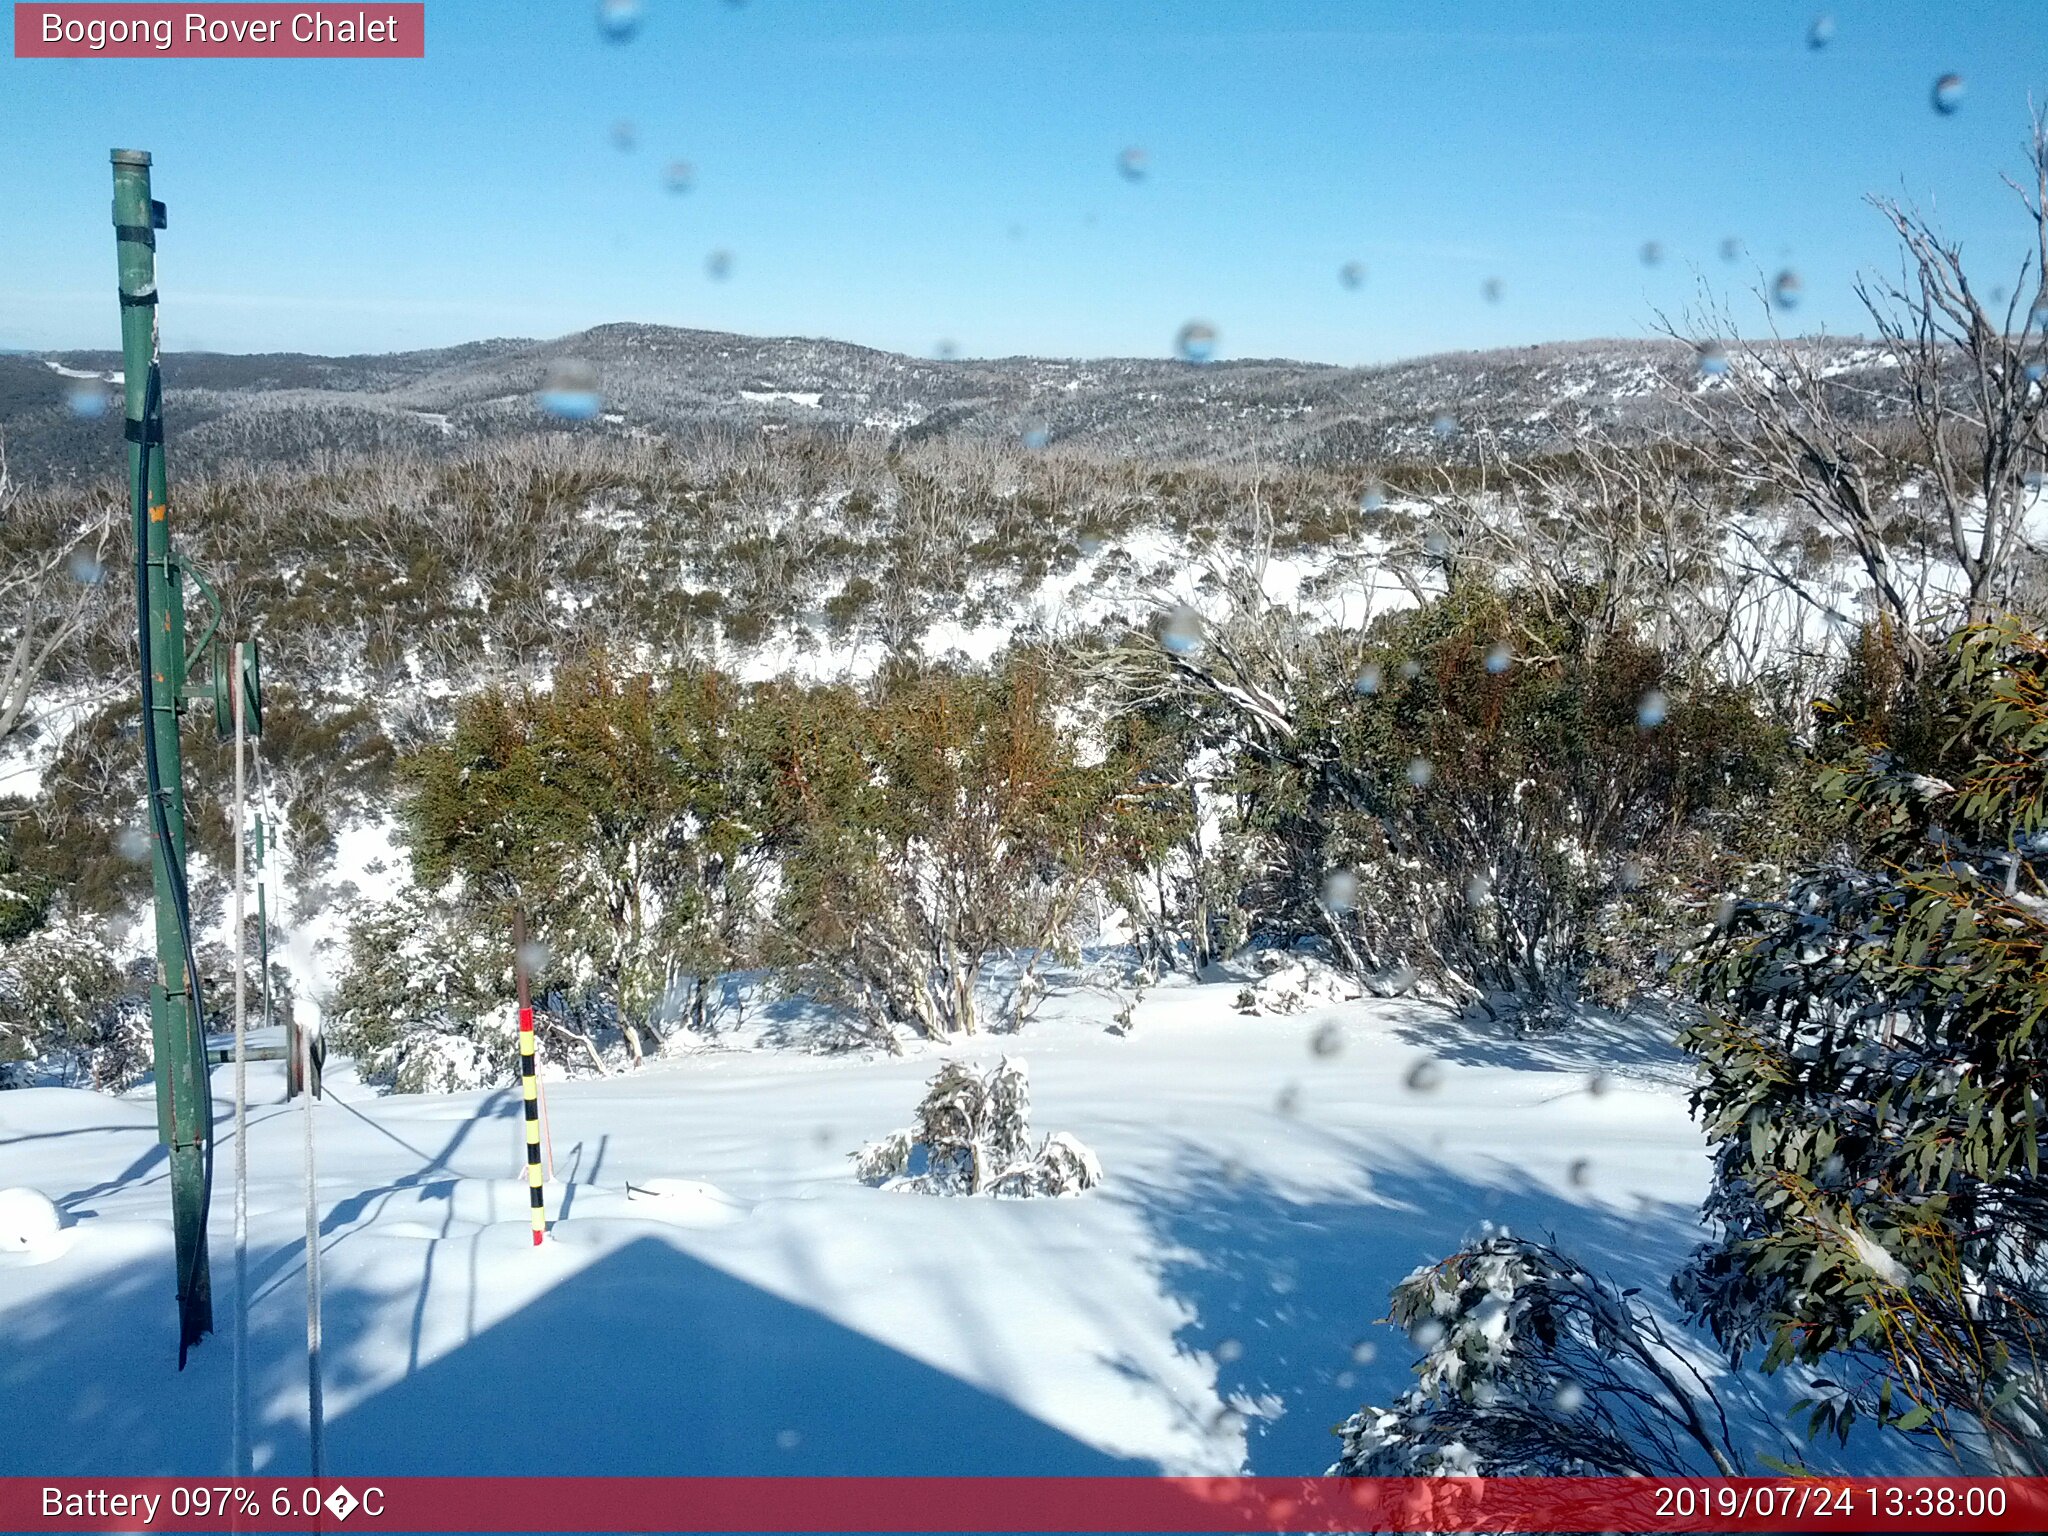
234	31
1051	1504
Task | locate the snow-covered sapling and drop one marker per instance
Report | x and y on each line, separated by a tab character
1534	1367
973	1137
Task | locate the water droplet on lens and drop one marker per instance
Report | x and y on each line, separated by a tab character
1196	341
1491	288
1427	1334
1182	631
1036	435
1328	1040
619	20
132	843
1373	498
1731	248
1652	253
1822	32
1411	669
679	176
1499	657
1228	1351
1785	292
1352	275
1228	1421
1419	772
718	266
1131	164
88	401
1948	94
1713	360
1478	891
1288	1104
1346	1380
85	568
1597	1084
1436	543
534	955
1364	1352
624	134
1652	710
1579	1171
788	1440
1444	425
1569	1398
946	350
1425	1076
571	392
1368	678
1340	890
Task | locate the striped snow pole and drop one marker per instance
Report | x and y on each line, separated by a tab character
529	1082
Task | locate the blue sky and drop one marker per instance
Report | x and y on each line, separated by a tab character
902	172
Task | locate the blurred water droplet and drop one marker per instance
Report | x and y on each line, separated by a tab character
1373	498
1822	32
1352	275
1368	678
1427	1333
1579	1171
624	134
1419	772
679	176
1411	669
1328	1040
1499	657
1132	163
2035	372
1491	289
1196	341
1182	631
718	266
1228	1421
1948	94
1713	360
1364	1352
1597	1083
1346	1380
1652	709
1731	248
1436	543
2037	317
571	392
534	956
1569	1398
132	844
1631	874
1425	1076
1233	1171
1398	979
1786	290
1035	435
85	568
1340	890
2035	479
821	1135
1280	1283
1652	252
1288	1103
619	20
88	399
1444	425
946	349
1478	890
1228	1351
787	1440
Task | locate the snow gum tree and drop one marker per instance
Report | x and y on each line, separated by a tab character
1876	1063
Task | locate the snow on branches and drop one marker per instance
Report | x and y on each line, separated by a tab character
973	1137
1532	1366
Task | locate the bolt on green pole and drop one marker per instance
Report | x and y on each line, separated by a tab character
183	1090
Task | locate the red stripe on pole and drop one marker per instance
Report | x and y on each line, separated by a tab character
1007	1504
526	1020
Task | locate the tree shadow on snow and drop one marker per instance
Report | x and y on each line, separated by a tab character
1638	1042
1285	1293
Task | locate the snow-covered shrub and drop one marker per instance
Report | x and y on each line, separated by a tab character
416	991
69	1006
437	1061
1875	1054
1294	982
1532	1366
973	1137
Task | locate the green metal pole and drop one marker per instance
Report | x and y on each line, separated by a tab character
184	1107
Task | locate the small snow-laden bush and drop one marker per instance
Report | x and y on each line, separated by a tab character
1294	982
973	1137
438	1061
1532	1366
68	1005
412	1001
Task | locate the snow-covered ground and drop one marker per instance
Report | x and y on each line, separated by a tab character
720	1295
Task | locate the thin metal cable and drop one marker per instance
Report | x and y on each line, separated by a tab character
241	1333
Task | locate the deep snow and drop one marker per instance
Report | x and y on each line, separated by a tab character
746	1306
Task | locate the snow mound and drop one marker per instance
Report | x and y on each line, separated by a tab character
29	1222
688	1202
1295	984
